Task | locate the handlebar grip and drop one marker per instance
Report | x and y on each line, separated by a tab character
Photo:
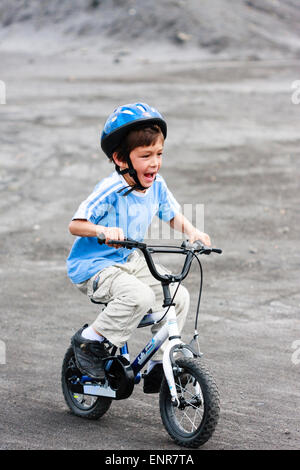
217	250
101	239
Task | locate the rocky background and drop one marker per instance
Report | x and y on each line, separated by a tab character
232	28
225	74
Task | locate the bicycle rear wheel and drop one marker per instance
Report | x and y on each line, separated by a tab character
85	406
193	422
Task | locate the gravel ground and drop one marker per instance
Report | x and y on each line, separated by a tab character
233	146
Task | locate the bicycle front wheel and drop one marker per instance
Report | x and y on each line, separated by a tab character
193	422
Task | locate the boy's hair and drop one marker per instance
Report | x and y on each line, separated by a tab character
141	136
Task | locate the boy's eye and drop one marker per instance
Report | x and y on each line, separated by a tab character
147	156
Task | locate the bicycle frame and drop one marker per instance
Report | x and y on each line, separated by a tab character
168	330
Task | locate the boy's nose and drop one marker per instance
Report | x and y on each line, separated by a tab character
155	162
154	166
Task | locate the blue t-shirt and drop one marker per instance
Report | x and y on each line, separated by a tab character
133	213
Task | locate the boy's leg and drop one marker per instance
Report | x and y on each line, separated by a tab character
128	301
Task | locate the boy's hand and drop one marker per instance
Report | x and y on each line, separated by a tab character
182	224
111	233
197	235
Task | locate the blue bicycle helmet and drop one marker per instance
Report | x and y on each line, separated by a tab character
123	119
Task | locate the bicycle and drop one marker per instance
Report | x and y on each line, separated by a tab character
188	398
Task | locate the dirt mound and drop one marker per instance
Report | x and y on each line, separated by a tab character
239	27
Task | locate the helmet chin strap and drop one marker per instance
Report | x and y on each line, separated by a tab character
132	172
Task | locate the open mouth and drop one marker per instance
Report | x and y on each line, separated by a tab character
149	177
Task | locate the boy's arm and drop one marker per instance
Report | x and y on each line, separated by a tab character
85	228
182	224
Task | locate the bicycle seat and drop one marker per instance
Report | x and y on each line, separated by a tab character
97	302
148	319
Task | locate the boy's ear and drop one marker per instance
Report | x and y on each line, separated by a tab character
117	161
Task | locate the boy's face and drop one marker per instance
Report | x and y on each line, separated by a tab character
146	161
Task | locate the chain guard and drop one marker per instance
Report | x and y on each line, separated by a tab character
120	377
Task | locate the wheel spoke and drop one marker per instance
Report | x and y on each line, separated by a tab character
194	427
189	418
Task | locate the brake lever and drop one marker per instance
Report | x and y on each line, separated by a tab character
196	246
199	246
206	250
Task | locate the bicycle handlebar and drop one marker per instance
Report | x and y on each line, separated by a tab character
186	248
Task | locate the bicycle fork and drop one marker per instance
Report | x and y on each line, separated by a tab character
173	345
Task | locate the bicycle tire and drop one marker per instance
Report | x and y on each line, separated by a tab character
78	403
203	404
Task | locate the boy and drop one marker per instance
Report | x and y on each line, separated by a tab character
123	205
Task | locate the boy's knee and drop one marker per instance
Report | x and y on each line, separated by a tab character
145	298
142	297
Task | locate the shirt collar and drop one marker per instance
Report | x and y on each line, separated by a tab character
136	193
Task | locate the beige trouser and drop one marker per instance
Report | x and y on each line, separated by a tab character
130	291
